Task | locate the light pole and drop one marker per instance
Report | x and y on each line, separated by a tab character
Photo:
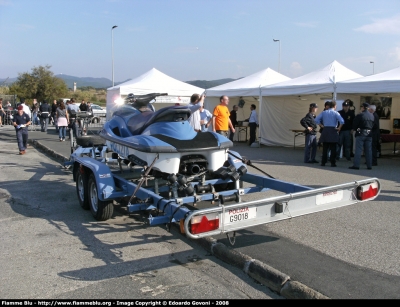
373	67
112	52
278	40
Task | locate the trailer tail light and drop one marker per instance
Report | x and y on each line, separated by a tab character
204	223
367	191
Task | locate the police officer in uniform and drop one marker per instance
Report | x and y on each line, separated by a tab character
308	122
345	136
376	135
362	125
329	120
21	121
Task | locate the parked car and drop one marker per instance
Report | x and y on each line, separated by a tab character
98	111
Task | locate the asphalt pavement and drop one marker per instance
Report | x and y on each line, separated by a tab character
53	249
351	252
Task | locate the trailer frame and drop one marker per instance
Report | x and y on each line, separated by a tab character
99	186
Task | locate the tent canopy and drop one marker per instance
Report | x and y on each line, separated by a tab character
385	82
317	82
154	81
248	86
282	107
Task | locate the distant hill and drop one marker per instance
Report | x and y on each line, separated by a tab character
98	83
87	81
209	84
7	81
102	83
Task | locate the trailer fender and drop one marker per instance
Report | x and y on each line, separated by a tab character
102	173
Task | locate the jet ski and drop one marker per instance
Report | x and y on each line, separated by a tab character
163	140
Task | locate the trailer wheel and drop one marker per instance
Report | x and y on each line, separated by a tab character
81	189
101	210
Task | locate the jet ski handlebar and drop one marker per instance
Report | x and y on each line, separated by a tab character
143	99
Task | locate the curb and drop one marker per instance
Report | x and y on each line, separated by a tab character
48	151
259	271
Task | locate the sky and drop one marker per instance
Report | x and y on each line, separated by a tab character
197	40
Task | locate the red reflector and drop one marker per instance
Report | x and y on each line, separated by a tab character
367	191
204	225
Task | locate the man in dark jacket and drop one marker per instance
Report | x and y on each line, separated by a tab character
83	106
362	125
375	136
308	122
233	117
45	112
21	121
345	136
54	107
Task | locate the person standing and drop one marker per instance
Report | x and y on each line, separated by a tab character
221	121
233	118
83	106
376	135
89	107
345	136
72	110
35	112
331	122
45	111
308	122
253	124
26	109
327	106
2	113
362	125
205	119
196	102
21	121
54	107
62	121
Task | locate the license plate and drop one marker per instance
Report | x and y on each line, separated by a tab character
329	197
240	214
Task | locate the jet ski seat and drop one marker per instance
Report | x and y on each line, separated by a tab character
137	124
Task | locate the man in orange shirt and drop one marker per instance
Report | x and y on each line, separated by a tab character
221	121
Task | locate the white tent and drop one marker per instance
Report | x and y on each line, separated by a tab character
320	81
380	88
385	82
154	81
247	88
285	103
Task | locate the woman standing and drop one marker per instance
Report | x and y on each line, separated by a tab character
62	121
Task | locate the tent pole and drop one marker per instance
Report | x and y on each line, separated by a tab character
334	88
260	102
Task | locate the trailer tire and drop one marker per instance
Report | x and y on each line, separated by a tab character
81	189
101	210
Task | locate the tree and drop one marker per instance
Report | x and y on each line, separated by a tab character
40	84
